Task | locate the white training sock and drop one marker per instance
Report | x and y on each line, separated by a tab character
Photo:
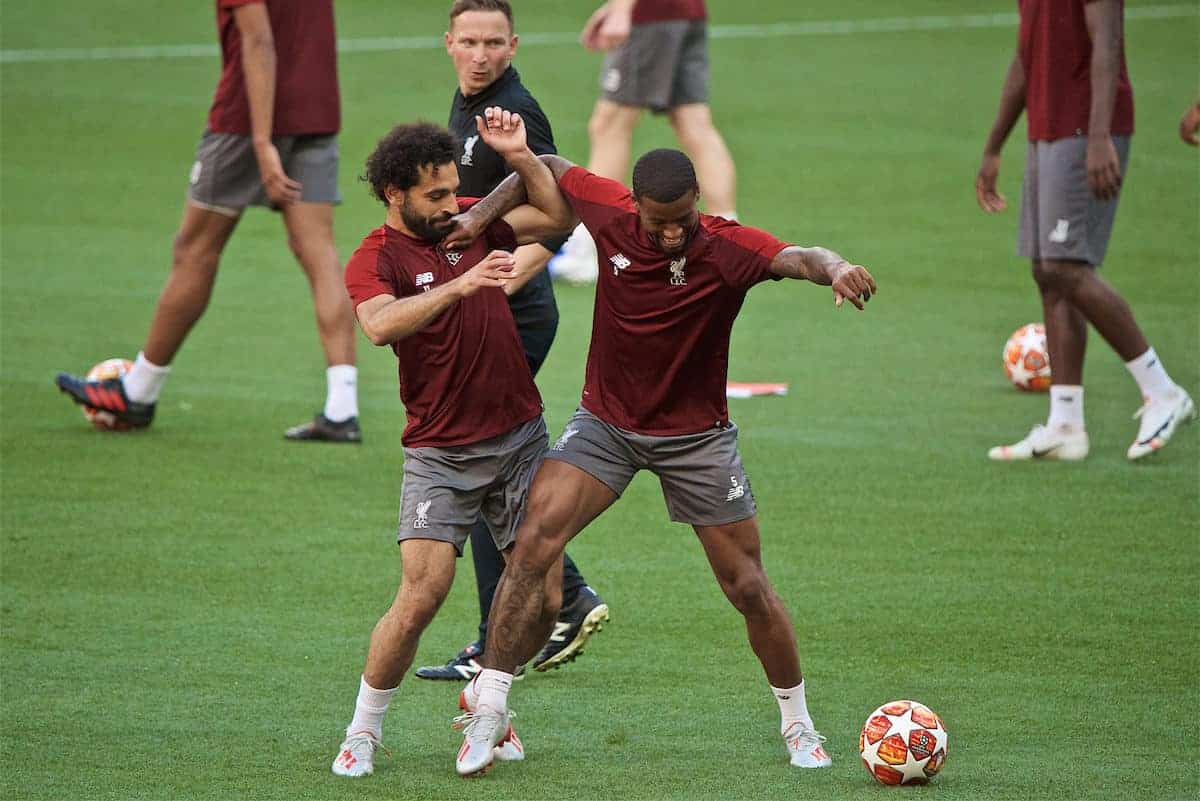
1066	406
144	382
1151	376
370	708
792	707
493	686
341	396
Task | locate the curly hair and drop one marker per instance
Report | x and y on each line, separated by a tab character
399	156
663	175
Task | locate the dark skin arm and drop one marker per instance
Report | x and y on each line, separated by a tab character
1104	23
822	266
1012	103
258	65
508	195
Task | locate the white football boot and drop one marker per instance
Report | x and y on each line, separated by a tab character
483	730
510	749
805	746
1065	443
356	755
1159	421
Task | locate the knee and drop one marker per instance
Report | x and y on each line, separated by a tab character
1056	276
751	594
416	606
609	119
190	252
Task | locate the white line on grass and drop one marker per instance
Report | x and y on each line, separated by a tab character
770	30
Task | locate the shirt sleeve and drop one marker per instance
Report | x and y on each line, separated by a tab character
745	253
595	200
368	277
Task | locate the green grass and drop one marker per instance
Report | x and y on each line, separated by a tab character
184	612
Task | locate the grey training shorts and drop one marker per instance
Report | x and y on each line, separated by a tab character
225	176
661	65
447	489
703	481
1060	217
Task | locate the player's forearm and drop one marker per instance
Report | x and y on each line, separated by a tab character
541	187
1012	103
816	264
531	260
1105	70
404	317
507	195
258	67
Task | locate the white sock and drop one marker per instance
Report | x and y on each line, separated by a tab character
1066	406
493	686
1151	376
792	707
370	708
341	395
144	382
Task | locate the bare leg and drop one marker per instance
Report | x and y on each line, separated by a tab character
562	501
428	571
310	236
715	170
1066	334
1097	301
197	250
610	131
733	552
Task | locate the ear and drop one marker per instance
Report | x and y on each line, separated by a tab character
449	40
395	195
513	45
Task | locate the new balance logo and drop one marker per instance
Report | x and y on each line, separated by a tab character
453	256
619	262
560	631
468	151
426	278
422	520
736	491
561	445
678	276
1059	234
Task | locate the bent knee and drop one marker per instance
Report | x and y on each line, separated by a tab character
751	595
1059	276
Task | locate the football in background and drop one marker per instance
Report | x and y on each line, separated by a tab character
1026	359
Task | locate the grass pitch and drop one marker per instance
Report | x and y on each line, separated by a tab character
184	612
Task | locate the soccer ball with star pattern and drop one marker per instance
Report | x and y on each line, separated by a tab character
903	742
1027	359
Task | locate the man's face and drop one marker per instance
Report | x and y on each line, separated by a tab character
427	209
670	225
482	45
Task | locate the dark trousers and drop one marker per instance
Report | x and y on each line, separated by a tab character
489	564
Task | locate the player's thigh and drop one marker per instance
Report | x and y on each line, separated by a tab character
202	235
312	159
518	458
641	72
734	551
690	83
703	480
598	449
310	232
610	118
224	176
563	500
439	499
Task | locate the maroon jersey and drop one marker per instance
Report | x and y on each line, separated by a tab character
464	377
306	86
667	10
1056	53
660	331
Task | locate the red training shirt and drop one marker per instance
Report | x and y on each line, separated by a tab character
660	331
464	377
667	10
1056	53
306	85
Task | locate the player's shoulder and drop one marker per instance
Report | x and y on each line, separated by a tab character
724	232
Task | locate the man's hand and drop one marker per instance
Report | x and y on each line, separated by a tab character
495	269
607	28
989	199
502	130
467	228
280	189
1103	167
1190	124
853	283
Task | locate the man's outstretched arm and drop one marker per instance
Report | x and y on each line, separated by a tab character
822	266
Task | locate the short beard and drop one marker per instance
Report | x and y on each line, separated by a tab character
425	227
